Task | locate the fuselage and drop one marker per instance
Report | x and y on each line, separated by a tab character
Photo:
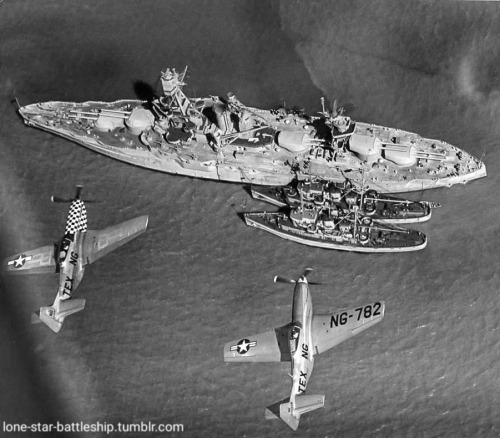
301	346
70	255
70	265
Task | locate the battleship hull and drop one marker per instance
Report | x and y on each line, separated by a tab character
367	240
218	139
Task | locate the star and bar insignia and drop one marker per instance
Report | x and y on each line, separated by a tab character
20	261
243	346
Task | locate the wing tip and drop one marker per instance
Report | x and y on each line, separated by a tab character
143	221
382	302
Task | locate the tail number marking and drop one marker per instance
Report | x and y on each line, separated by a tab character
365	312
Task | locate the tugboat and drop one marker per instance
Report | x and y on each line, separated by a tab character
329	228
223	139
345	197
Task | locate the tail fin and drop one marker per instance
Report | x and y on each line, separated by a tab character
54	318
291	414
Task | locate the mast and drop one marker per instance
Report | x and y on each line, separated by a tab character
360	203
173	100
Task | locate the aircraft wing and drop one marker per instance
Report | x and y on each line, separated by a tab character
332	329
36	261
271	346
102	242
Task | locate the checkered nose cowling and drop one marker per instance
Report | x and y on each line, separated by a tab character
77	217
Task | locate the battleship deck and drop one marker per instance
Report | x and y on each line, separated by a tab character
213	138
382	208
377	239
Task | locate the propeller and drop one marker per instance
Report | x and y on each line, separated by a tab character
279	279
78	195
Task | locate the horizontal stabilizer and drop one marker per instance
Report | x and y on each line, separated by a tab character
47	317
35	318
68	307
291	415
54	319
273	412
308	403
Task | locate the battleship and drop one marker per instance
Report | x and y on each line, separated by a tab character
325	228
220	138
346	198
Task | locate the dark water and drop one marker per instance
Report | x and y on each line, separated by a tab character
148	346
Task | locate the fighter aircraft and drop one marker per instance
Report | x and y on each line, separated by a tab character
307	335
78	247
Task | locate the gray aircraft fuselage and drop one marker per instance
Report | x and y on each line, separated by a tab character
70	261
301	348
